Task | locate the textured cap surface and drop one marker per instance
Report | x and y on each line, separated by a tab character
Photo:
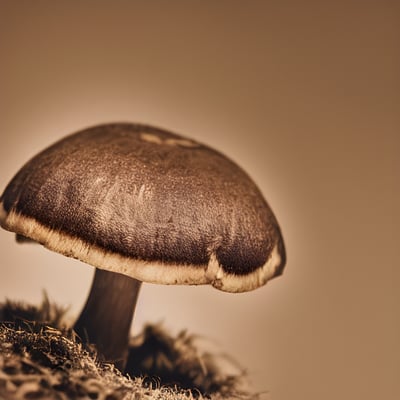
147	203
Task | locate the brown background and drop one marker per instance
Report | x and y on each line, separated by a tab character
304	96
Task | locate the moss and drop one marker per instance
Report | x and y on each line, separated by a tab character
41	358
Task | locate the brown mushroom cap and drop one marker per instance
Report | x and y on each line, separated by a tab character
149	204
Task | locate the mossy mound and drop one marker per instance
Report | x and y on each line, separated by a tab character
41	358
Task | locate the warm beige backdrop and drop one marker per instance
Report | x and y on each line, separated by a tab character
304	96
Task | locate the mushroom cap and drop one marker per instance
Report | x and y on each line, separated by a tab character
149	204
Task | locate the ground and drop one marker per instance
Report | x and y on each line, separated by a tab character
41	358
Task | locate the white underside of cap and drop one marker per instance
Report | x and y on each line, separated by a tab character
145	271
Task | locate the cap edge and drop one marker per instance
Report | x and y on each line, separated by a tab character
154	271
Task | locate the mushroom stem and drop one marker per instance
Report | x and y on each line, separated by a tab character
106	318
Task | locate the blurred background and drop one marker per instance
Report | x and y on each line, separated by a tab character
304	95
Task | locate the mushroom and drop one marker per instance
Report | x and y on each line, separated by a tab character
143	205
